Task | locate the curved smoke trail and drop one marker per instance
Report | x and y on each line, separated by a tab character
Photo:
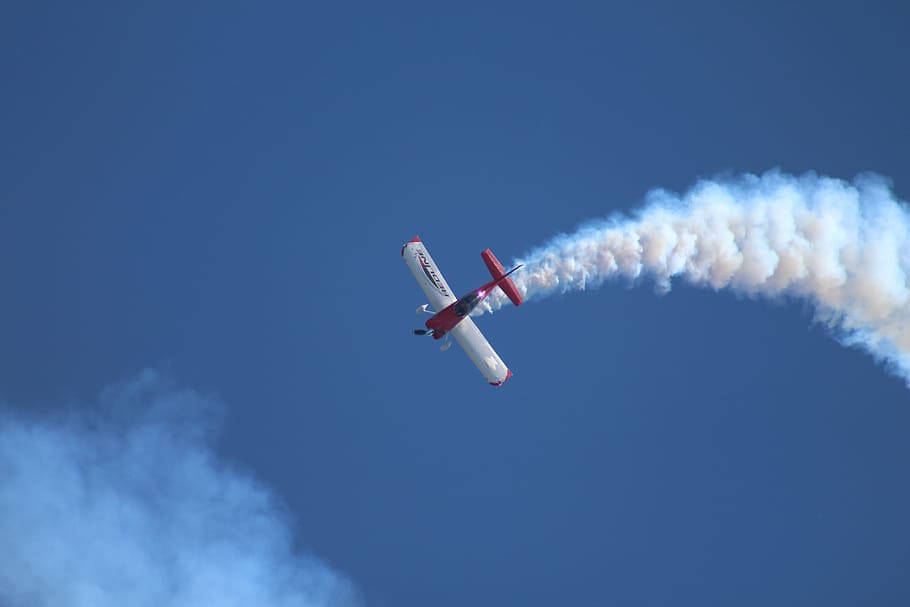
844	247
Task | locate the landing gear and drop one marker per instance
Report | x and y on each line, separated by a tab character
446	344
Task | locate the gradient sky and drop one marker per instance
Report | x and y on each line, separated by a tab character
220	191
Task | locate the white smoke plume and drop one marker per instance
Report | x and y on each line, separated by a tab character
843	247
125	503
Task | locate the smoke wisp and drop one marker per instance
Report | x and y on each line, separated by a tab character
125	503
842	246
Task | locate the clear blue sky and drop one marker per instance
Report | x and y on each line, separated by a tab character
221	191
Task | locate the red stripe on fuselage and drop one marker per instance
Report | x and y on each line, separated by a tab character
445	320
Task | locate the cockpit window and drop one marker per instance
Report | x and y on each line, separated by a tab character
464	305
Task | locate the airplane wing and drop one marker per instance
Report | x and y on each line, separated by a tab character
466	333
427	273
480	352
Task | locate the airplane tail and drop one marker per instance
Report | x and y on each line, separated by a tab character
497	271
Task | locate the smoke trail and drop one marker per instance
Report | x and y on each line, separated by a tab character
842	246
126	504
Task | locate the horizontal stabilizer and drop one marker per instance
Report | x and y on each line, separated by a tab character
497	272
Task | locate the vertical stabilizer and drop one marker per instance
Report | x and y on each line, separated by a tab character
497	272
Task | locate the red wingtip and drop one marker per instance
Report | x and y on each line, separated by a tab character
499	383
415	239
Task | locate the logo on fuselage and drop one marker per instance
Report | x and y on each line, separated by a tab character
431	273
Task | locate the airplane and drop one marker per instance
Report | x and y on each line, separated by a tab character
452	317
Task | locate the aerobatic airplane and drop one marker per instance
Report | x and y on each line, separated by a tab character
451	316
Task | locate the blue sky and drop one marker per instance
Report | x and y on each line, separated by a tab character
220	192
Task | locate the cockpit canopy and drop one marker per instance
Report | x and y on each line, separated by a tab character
467	303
